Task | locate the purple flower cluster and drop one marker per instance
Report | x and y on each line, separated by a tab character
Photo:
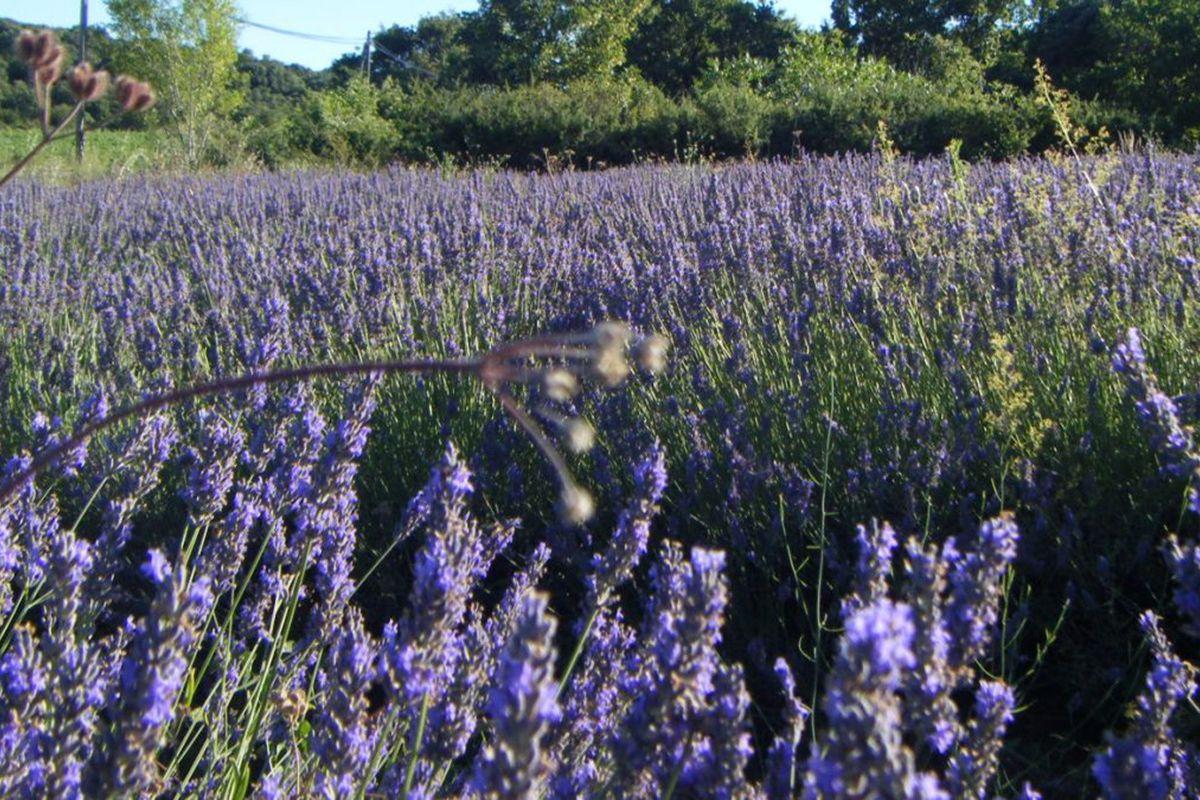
856	339
1157	411
1175	443
890	698
1151	760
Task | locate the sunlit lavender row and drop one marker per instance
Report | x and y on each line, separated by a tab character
911	512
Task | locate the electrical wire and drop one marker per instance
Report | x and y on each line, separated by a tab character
312	37
404	62
316	37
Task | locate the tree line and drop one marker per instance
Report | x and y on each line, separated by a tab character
544	82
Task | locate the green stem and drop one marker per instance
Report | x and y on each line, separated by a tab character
410	772
821	565
578	651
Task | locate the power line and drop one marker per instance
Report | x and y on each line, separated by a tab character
312	37
404	62
316	37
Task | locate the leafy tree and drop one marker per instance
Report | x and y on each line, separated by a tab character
523	41
1152	61
513	41
678	39
597	36
1139	55
433	50
271	84
890	28
188	50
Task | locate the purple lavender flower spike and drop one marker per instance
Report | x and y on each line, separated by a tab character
152	675
211	466
140	464
331	512
343	733
1157	411
629	539
1184	562
863	753
522	706
594	704
973	765
783	769
1151	760
658	742
875	548
975	587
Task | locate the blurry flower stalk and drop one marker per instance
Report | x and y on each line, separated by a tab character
557	364
44	56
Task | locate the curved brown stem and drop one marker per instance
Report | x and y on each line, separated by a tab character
50	455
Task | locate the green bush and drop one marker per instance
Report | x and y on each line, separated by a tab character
342	125
832	100
610	121
734	120
818	96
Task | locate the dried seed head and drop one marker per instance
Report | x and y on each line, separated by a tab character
39	49
610	367
575	505
559	384
651	353
87	84
611	334
578	435
51	71
133	95
26	46
292	705
610	344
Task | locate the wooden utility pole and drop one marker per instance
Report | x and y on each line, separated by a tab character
83	25
366	58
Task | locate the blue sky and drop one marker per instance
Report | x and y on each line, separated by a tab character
343	19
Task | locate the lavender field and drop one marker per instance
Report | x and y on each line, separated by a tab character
912	510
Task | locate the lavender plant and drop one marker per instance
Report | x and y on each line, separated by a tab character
911	341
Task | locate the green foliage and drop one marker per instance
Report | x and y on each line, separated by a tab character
341	125
600	120
679	39
108	153
734	119
1153	63
432	50
835	101
188	50
1138	56
892	28
523	41
546	83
